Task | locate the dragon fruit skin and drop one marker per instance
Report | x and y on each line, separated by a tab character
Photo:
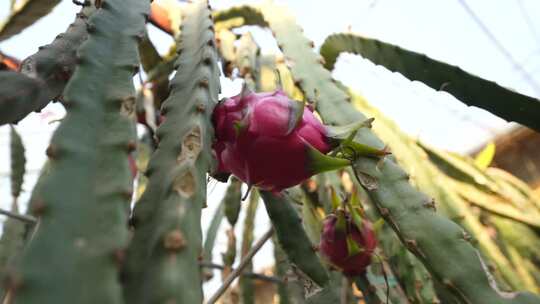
259	141
333	245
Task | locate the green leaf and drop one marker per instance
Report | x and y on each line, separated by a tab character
484	158
468	88
318	162
352	246
335	200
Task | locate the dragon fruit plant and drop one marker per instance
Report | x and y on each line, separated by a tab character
260	136
296	135
347	245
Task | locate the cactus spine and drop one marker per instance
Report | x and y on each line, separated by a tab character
162	262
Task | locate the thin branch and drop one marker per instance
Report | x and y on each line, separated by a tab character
235	273
528	21
21	217
251	275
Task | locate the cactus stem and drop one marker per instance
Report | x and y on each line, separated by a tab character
119	255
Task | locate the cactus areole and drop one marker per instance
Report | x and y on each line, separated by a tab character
347	246
269	141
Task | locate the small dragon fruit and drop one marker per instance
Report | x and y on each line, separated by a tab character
269	141
345	245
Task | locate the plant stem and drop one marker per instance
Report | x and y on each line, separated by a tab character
235	273
250	275
21	217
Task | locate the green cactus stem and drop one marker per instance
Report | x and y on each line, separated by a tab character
24	14
211	234
225	41
470	89
19	96
295	242
11	246
281	265
150	59
18	162
232	200
368	291
447	254
247	60
247	288
509	181
78	248
12	240
413	278
162	261
428	178
43	74
238	16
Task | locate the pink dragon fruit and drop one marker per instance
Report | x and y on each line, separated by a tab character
345	245
265	141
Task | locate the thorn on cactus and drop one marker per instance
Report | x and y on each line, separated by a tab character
37	207
174	240
52	151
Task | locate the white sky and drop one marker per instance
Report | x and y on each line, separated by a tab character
441	29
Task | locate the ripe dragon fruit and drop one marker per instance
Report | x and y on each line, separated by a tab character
269	141
345	245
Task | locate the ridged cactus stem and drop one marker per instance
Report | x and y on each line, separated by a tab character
439	243
13	228
210	239
296	244
24	14
293	238
43	74
468	88
162	262
369	292
78	248
18	162
247	288
280	268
